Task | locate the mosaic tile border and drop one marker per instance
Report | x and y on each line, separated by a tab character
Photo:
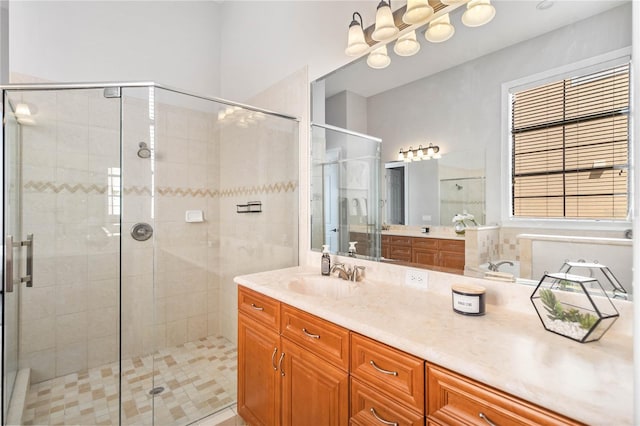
272	188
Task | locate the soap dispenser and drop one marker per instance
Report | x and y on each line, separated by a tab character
325	263
352	248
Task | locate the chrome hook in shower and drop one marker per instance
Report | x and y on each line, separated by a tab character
144	151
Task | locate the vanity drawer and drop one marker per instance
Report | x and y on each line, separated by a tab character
456	246
455	399
398	240
366	401
400	253
259	307
425	243
390	371
321	337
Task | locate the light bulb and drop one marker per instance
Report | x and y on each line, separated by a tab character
420	152
407	45
385	28
479	12
440	29
379	58
356	44
417	12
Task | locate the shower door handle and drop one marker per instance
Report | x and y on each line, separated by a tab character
8	264
29	277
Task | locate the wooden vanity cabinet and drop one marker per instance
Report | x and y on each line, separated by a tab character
295	373
454	399
387	385
438	253
259	347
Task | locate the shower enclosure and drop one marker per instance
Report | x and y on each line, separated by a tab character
124	226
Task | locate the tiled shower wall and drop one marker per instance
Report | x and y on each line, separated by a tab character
69	320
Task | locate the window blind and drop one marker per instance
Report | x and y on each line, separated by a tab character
570	147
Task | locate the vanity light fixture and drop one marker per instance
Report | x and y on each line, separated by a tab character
418	11
356	45
479	12
409	155
379	58
407	44
440	29
408	18
385	26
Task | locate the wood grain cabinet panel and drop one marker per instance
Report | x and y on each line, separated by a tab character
258	379
393	372
457	400
369	407
314	392
323	338
261	308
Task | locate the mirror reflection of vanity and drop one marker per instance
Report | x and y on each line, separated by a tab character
455	95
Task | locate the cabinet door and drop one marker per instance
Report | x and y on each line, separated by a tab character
258	377
314	392
452	260
425	257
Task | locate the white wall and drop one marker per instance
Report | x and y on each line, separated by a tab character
4	41
173	43
280	37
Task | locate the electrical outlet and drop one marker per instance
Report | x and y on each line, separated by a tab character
416	278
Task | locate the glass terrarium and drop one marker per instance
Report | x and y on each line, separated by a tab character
574	306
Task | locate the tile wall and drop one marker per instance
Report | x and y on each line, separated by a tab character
177	286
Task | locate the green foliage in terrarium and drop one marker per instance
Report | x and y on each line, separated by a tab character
557	312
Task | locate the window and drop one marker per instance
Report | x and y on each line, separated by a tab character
570	147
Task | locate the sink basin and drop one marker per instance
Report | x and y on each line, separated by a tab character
331	287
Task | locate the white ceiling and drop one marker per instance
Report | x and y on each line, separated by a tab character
515	21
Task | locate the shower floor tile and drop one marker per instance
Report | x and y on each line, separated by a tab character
199	378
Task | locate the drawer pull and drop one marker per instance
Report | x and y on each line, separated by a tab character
280	364
273	359
486	419
313	336
382	370
257	308
381	420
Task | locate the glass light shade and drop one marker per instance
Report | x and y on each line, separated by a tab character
417	11
23	110
379	58
410	154
440	29
407	45
479	12
356	45
420	152
221	115
400	156
437	156
385	26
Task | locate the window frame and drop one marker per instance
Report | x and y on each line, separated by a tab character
590	65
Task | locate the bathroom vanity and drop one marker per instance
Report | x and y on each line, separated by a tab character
322	349
418	249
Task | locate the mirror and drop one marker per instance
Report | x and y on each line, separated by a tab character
451	95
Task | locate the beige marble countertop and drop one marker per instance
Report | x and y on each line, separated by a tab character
411	233
506	349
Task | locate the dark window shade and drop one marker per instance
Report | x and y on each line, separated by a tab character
570	147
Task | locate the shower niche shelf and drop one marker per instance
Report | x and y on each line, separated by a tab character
250	207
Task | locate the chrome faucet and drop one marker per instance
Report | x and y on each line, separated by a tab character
495	267
348	273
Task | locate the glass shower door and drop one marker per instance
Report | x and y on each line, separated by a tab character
11	228
60	161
